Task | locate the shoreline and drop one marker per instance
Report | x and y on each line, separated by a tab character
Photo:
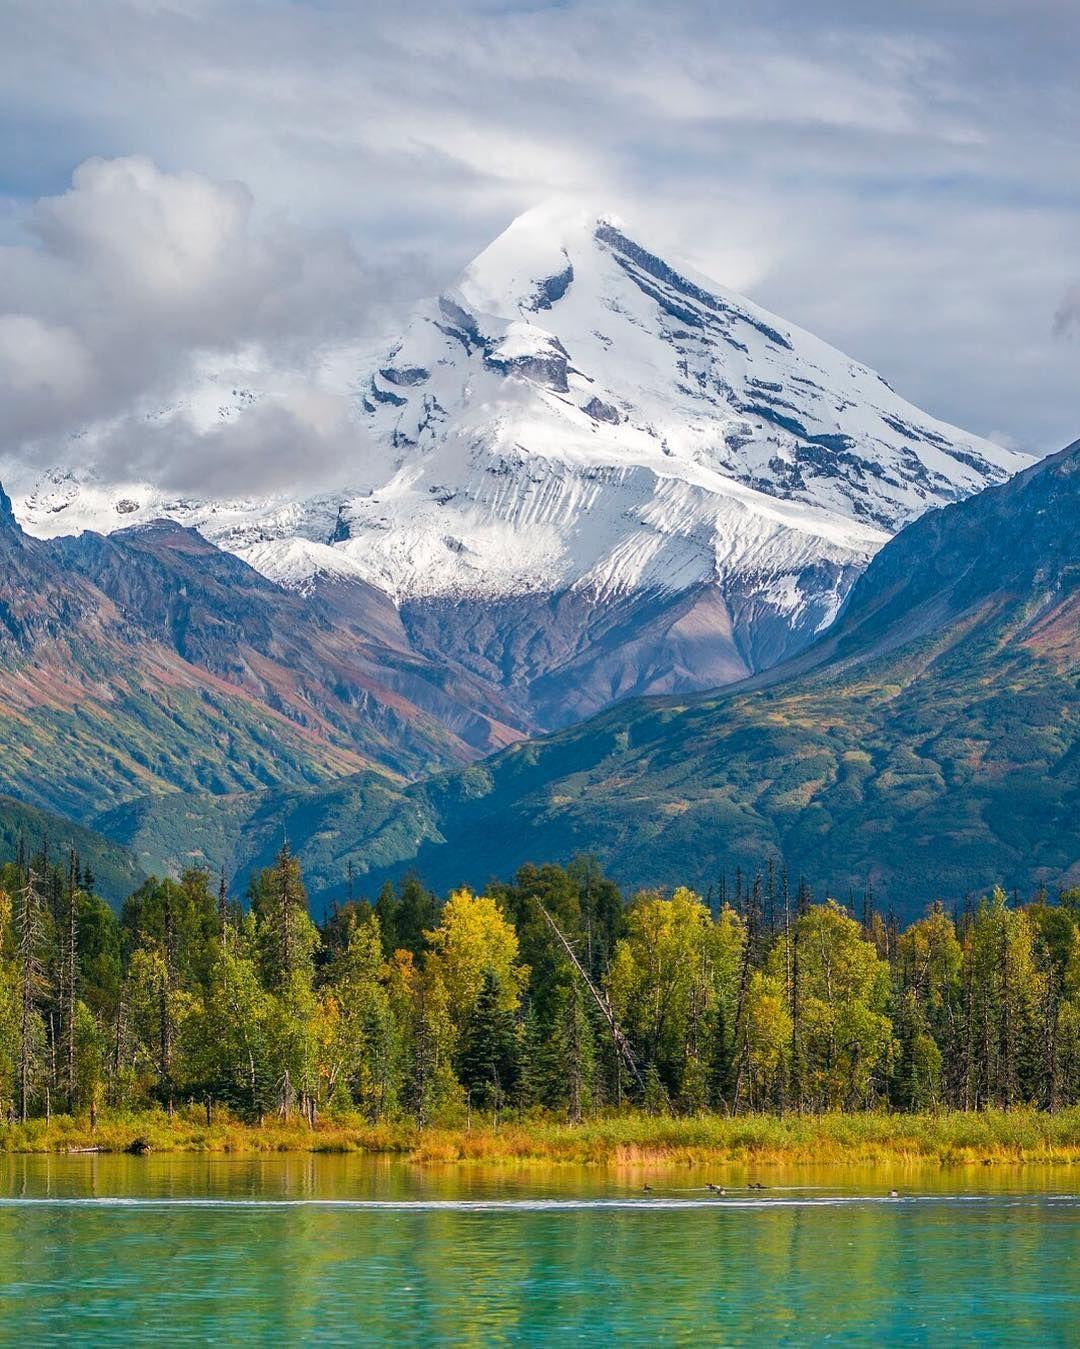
951	1138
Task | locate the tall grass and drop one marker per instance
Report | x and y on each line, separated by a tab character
619	1139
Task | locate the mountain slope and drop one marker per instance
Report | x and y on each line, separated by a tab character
150	661
583	473
93	709
313	662
242	832
929	744
116	873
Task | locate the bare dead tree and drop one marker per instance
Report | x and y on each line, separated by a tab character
622	1045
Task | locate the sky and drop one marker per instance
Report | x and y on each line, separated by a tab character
191	182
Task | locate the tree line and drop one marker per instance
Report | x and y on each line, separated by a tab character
545	993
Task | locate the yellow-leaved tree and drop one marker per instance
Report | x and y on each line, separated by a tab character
668	977
474	939
845	1038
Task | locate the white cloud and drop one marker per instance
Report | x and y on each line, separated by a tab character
899	178
133	280
297	438
40	363
170	239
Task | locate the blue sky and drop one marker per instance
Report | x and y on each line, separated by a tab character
902	179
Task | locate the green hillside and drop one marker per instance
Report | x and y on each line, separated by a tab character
116	873
242	832
928	745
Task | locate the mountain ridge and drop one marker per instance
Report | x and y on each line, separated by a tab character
928	746
606	449
151	661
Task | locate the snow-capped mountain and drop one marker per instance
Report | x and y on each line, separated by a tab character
583	473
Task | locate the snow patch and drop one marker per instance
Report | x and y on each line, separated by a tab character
579	412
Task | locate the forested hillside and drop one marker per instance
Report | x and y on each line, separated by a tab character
113	870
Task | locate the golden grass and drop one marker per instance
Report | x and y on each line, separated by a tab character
616	1139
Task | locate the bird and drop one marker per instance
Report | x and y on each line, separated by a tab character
715	1188
647	1189
894	1194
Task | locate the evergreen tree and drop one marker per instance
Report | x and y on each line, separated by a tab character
488	1051
566	1056
417	911
286	937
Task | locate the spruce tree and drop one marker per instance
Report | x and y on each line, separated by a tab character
386	910
417	911
488	1056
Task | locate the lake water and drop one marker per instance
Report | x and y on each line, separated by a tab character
321	1249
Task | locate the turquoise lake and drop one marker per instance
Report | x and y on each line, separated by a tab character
320	1249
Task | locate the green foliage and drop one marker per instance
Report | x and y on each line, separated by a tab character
488	1056
761	1005
473	946
841	1001
115	870
405	913
286	936
168	738
568	1059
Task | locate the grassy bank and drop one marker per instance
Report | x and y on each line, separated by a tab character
625	1139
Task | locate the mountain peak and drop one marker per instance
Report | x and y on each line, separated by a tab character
640	362
585	432
530	265
160	527
561	217
559	221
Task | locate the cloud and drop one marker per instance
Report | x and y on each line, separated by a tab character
304	438
132	281
898	178
169	240
40	365
1068	312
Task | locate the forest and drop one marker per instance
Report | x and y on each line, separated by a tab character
549	996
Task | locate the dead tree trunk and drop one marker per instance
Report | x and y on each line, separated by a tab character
622	1045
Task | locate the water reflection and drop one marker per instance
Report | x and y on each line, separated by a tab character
961	1256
